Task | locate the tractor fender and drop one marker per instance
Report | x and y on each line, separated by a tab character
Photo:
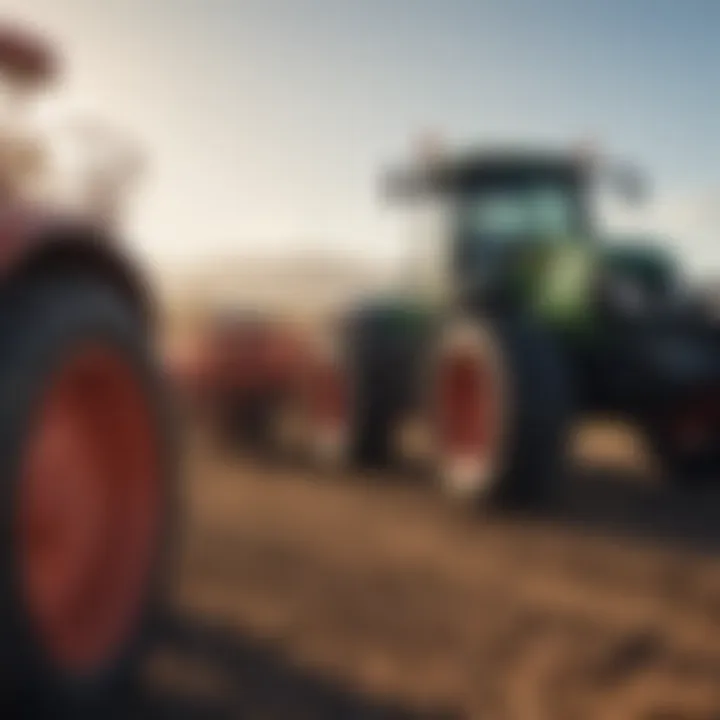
37	242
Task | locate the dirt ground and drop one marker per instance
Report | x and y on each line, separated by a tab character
307	597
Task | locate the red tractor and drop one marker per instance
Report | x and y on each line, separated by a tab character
87	476
244	376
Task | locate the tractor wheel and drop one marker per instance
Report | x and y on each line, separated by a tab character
87	497
499	412
269	427
347	418
236	424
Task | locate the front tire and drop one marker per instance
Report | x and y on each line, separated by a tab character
87	495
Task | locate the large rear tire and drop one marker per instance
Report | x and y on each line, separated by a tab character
500	412
87	495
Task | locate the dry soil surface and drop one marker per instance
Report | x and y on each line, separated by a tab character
353	597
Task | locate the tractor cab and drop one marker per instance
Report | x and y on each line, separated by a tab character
514	226
507	211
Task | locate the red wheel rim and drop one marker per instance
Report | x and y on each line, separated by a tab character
467	410
89	504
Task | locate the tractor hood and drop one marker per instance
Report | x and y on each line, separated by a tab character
646	280
633	275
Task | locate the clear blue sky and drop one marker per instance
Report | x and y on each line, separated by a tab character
269	119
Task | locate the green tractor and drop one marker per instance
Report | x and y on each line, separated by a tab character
522	318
